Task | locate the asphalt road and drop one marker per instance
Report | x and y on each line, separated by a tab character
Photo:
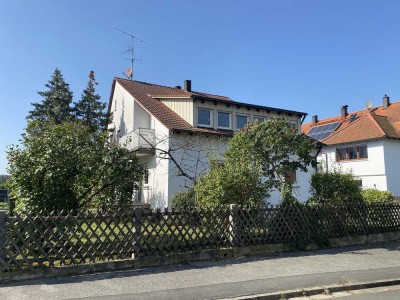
221	279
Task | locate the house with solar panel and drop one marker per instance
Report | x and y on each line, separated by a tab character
365	142
175	130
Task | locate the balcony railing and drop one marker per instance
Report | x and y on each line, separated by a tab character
139	139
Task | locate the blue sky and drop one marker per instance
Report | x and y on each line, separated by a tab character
311	56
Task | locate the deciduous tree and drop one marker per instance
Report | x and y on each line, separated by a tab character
66	166
256	162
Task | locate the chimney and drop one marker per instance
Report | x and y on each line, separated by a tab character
314	119
178	87
344	111
386	101
187	86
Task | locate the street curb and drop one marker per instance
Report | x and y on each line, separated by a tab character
319	290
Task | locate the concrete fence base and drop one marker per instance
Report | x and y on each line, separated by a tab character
152	261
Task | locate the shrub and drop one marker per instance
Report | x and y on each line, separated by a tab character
184	200
376	196
335	187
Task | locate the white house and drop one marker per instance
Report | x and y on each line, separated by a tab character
175	131
365	142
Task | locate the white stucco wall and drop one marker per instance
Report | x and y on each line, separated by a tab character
122	109
158	167
371	170
392	165
193	158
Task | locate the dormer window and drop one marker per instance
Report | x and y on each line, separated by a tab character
241	121
224	120
204	117
259	119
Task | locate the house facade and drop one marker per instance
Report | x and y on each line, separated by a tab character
176	130
365	142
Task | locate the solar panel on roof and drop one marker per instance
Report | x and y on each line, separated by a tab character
323	131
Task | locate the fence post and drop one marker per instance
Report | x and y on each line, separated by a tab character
3	238
137	234
233	225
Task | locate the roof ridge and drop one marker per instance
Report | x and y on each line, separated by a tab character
153	84
374	109
212	94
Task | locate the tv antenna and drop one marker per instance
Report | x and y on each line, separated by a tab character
129	73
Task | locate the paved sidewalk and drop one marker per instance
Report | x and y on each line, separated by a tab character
222	279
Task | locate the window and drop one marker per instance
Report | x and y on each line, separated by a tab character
259	119
146	174
241	121
362	151
224	120
204	117
351	153
341	154
290	177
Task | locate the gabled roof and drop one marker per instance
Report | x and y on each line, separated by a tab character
366	124
148	96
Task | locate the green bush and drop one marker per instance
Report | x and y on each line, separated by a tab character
335	187
376	196
184	200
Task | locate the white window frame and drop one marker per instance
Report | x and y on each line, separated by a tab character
230	119
241	115
211	117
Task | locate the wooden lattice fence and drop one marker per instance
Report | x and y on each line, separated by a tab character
37	240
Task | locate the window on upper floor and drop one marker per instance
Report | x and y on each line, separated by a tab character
352	153
224	120
259	119
241	121
204	117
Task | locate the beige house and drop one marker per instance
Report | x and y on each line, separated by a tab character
174	131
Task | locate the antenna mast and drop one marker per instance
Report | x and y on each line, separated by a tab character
129	72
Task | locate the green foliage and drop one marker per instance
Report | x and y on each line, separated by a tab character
67	167
376	196
231	183
55	106
90	110
256	163
334	187
184	200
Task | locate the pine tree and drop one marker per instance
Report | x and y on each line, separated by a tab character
56	102
90	110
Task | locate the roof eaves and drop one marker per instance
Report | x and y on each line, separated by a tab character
232	102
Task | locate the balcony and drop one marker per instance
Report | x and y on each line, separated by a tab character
141	140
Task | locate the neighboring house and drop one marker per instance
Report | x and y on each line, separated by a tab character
366	142
4	195
175	131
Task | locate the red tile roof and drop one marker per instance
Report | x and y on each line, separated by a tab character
362	125
148	96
